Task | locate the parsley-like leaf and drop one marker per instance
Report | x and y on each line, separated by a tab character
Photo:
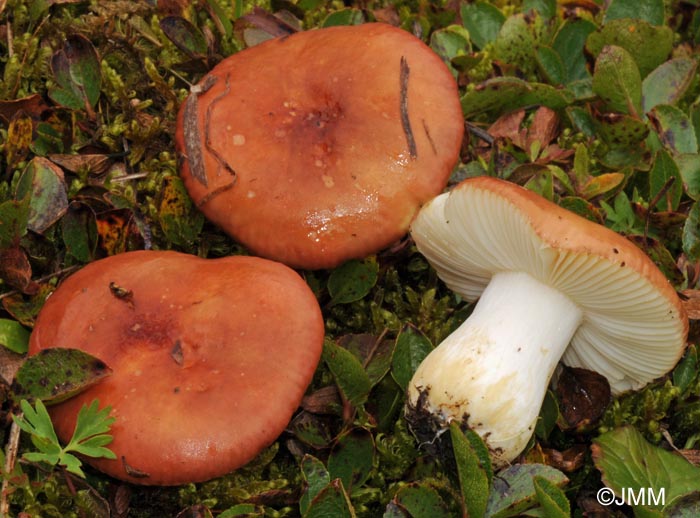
89	437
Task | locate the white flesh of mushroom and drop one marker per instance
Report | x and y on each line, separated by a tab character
496	367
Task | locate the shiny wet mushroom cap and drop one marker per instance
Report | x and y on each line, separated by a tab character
320	147
210	358
551	285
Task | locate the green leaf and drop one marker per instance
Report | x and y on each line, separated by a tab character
691	233
180	221
420	501
663	169
514	492
352	380
616	80
45	185
601	184
13	336
316	477
472	469
76	70
667	83
674	129
411	349
14	217
91	422
581	207
352	458
79	233
56	374
695	115
621	215
660	254
331	502
629	463
687	369
689	169
222	16
621	132
551	498
37	422
352	280
647	44
483	21
344	17
551	65
503	94
688	507
72	464
515	42
546	8
569	43
242	511
651	11
450	42
186	37
549	414
542	183
581	120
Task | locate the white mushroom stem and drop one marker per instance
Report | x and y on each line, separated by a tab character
493	371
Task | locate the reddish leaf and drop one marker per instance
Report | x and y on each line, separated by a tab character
508	126
94	164
598	185
16	271
10	363
693	456
43	181
569	460
691	303
19	138
32	105
114	229
583	397
543	128
25	310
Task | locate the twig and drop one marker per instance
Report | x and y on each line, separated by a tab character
662	192
45	278
404	73
10	460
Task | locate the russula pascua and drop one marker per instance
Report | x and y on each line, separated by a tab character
210	358
319	147
551	285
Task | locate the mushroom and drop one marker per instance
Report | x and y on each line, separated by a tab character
210	358
552	285
321	146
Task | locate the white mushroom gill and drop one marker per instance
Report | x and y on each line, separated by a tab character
496	367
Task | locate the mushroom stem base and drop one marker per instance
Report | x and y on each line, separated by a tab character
492	372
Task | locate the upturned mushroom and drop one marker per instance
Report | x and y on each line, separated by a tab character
210	358
551	285
321	146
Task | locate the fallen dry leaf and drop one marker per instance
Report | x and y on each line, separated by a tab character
583	397
691	303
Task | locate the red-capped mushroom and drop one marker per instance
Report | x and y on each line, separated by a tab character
551	285
320	147
210	358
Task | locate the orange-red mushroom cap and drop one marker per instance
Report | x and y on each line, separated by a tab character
320	147
210	358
